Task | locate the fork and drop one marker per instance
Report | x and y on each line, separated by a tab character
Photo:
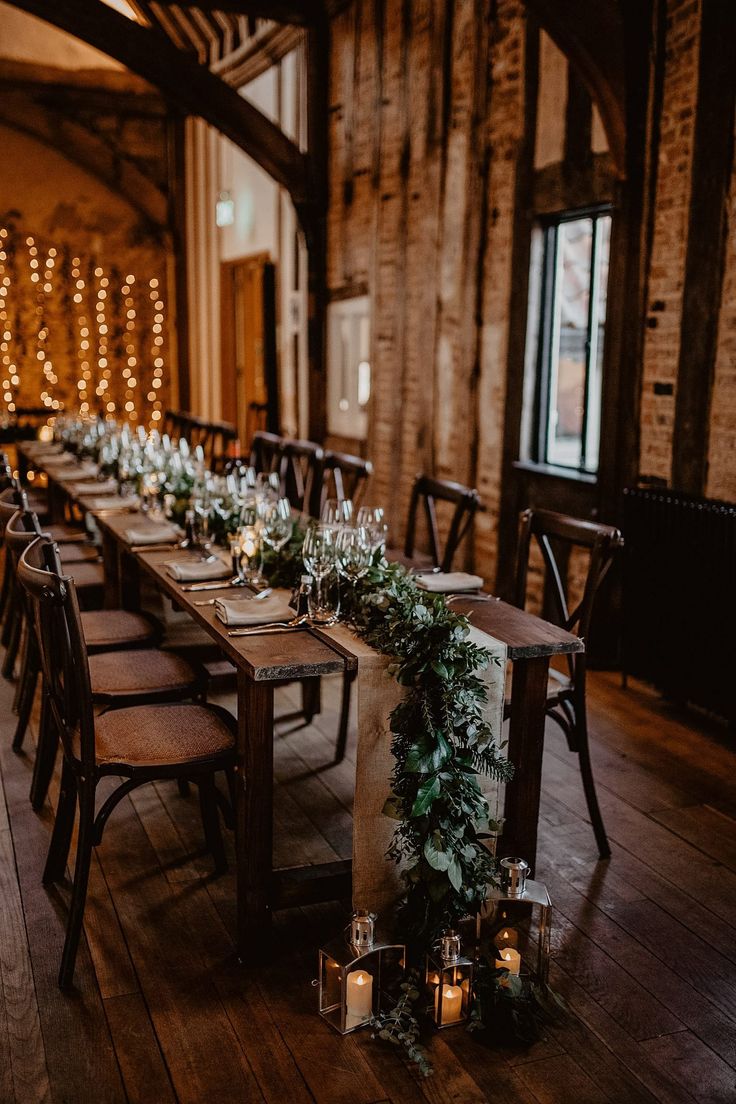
271	626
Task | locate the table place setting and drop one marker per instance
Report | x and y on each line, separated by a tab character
446	582
153	533
92	487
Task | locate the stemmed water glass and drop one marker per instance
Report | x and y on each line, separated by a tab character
354	553
318	552
372	518
277	525
337	512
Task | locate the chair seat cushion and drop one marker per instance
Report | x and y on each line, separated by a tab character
78	553
145	671
86	574
161	735
114	628
65	534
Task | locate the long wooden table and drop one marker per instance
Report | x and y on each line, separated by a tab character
262	661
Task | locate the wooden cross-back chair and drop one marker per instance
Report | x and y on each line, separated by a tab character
557	535
300	474
265	451
427	492
104	631
344	476
140	744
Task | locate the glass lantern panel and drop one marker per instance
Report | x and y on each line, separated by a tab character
330	984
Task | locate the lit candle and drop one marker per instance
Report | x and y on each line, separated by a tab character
507	937
452	1004
509	959
359	999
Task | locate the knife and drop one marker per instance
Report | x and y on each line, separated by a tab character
222	585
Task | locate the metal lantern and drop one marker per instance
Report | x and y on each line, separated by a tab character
519	916
449	981
355	971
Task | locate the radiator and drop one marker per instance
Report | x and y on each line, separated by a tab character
679	598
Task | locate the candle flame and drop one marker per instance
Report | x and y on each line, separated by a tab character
507	956
448	992
360	980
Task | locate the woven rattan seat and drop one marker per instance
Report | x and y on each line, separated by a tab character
113	628
139	672
161	735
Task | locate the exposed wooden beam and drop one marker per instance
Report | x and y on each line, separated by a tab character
302	14
189	86
51	126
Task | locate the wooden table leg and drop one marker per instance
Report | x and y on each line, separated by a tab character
526	745
254	815
112	571
129	575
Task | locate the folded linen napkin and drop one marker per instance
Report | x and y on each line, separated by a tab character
197	571
445	582
67	474
59	459
111	502
80	489
245	611
152	534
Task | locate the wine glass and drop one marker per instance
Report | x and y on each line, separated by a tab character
277	525
337	512
268	486
318	552
372	517
354	553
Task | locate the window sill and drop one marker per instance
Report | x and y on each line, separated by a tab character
556	472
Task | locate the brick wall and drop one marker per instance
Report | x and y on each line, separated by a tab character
667	268
722	442
427	115
415	110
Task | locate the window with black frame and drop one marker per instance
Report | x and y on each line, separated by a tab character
567	304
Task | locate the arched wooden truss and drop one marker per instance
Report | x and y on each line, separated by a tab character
171	48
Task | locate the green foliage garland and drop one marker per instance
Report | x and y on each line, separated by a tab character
441	742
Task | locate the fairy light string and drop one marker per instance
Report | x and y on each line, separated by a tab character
78	333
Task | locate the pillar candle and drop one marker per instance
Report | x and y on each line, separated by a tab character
509	959
452	1004
507	937
359	998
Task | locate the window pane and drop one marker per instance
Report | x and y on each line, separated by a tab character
569	344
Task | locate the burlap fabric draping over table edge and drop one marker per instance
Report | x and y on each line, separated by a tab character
376	879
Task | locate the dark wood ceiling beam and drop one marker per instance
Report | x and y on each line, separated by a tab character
84	148
303	14
191	87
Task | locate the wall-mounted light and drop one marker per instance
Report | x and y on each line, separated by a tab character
225	209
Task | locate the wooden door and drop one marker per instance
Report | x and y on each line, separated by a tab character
248	345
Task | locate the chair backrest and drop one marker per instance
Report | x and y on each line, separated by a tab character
429	492
344	476
20	531
265	451
556	535
300	474
6	472
63	650
9	503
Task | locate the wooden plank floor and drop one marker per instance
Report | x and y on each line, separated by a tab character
644	945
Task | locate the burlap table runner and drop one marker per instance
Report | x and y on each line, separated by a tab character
377	879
